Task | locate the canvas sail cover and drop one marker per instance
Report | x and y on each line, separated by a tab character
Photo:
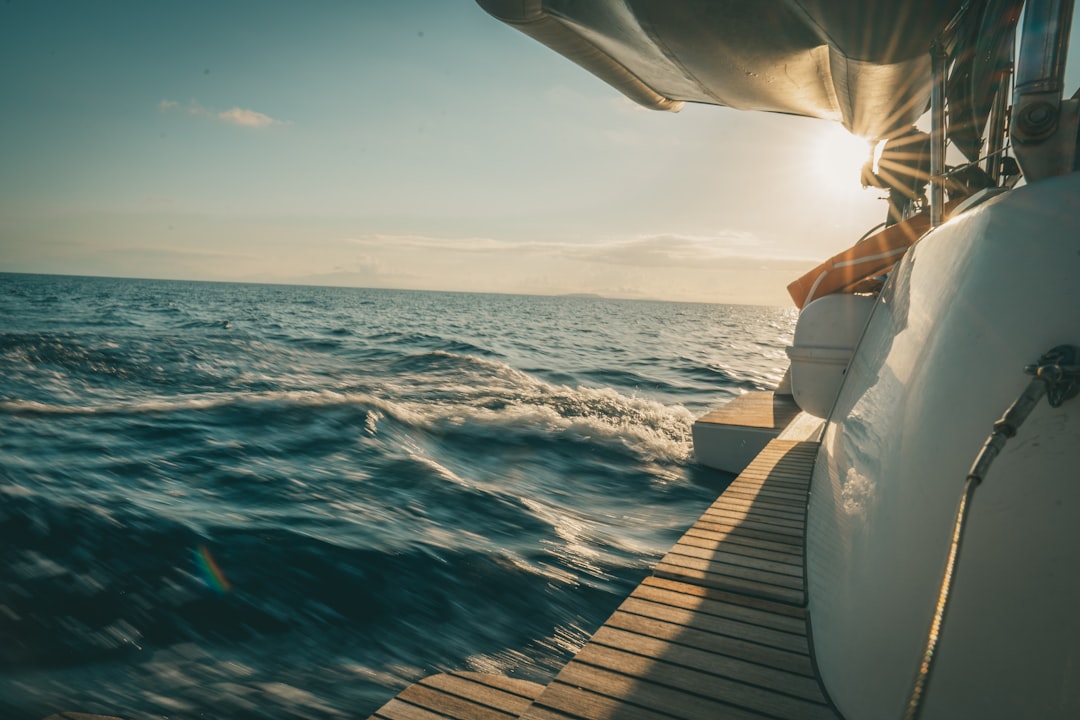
864	63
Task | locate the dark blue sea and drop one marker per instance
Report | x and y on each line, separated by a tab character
259	501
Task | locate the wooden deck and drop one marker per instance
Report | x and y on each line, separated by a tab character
719	631
461	696
755	409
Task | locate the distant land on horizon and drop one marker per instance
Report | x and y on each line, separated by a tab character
579	296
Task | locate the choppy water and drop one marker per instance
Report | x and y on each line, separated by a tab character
245	501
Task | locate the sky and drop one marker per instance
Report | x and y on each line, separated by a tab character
414	144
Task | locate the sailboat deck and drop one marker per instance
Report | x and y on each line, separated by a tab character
718	631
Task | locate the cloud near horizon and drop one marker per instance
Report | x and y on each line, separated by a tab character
730	267
241	117
666	250
672	250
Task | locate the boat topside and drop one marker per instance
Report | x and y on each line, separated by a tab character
941	359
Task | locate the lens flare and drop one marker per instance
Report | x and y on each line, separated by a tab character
212	575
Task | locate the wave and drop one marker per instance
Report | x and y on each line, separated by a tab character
84	584
179	403
485	395
91	363
104	357
432	342
206	324
444	365
728	378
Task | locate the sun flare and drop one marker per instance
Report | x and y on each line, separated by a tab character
837	158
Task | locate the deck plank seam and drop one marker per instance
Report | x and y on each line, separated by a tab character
742	550
793	635
754	517
462	699
426	709
391	714
734	525
736	585
680	716
765	673
728	611
727	597
706	535
775	646
790	537
620	700
716	567
743	556
762	504
780	568
761	513
719	676
712	698
793	659
765	493
483	679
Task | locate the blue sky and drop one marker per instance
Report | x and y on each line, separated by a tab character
413	143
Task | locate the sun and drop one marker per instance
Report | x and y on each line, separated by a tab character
836	158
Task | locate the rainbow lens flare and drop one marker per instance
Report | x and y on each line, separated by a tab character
211	572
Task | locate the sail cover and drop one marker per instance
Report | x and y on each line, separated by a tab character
864	63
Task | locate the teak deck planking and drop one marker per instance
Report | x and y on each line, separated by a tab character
719	631
755	409
461	696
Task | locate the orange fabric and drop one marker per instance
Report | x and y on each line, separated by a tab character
844	271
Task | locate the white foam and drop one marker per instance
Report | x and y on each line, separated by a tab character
655	431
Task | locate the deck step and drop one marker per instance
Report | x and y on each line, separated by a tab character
766	410
730	437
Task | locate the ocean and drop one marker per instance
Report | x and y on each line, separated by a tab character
262	501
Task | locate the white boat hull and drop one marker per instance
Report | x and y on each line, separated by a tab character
941	359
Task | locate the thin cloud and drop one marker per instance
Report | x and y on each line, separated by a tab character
241	117
677	250
666	250
169	254
459	245
246	118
